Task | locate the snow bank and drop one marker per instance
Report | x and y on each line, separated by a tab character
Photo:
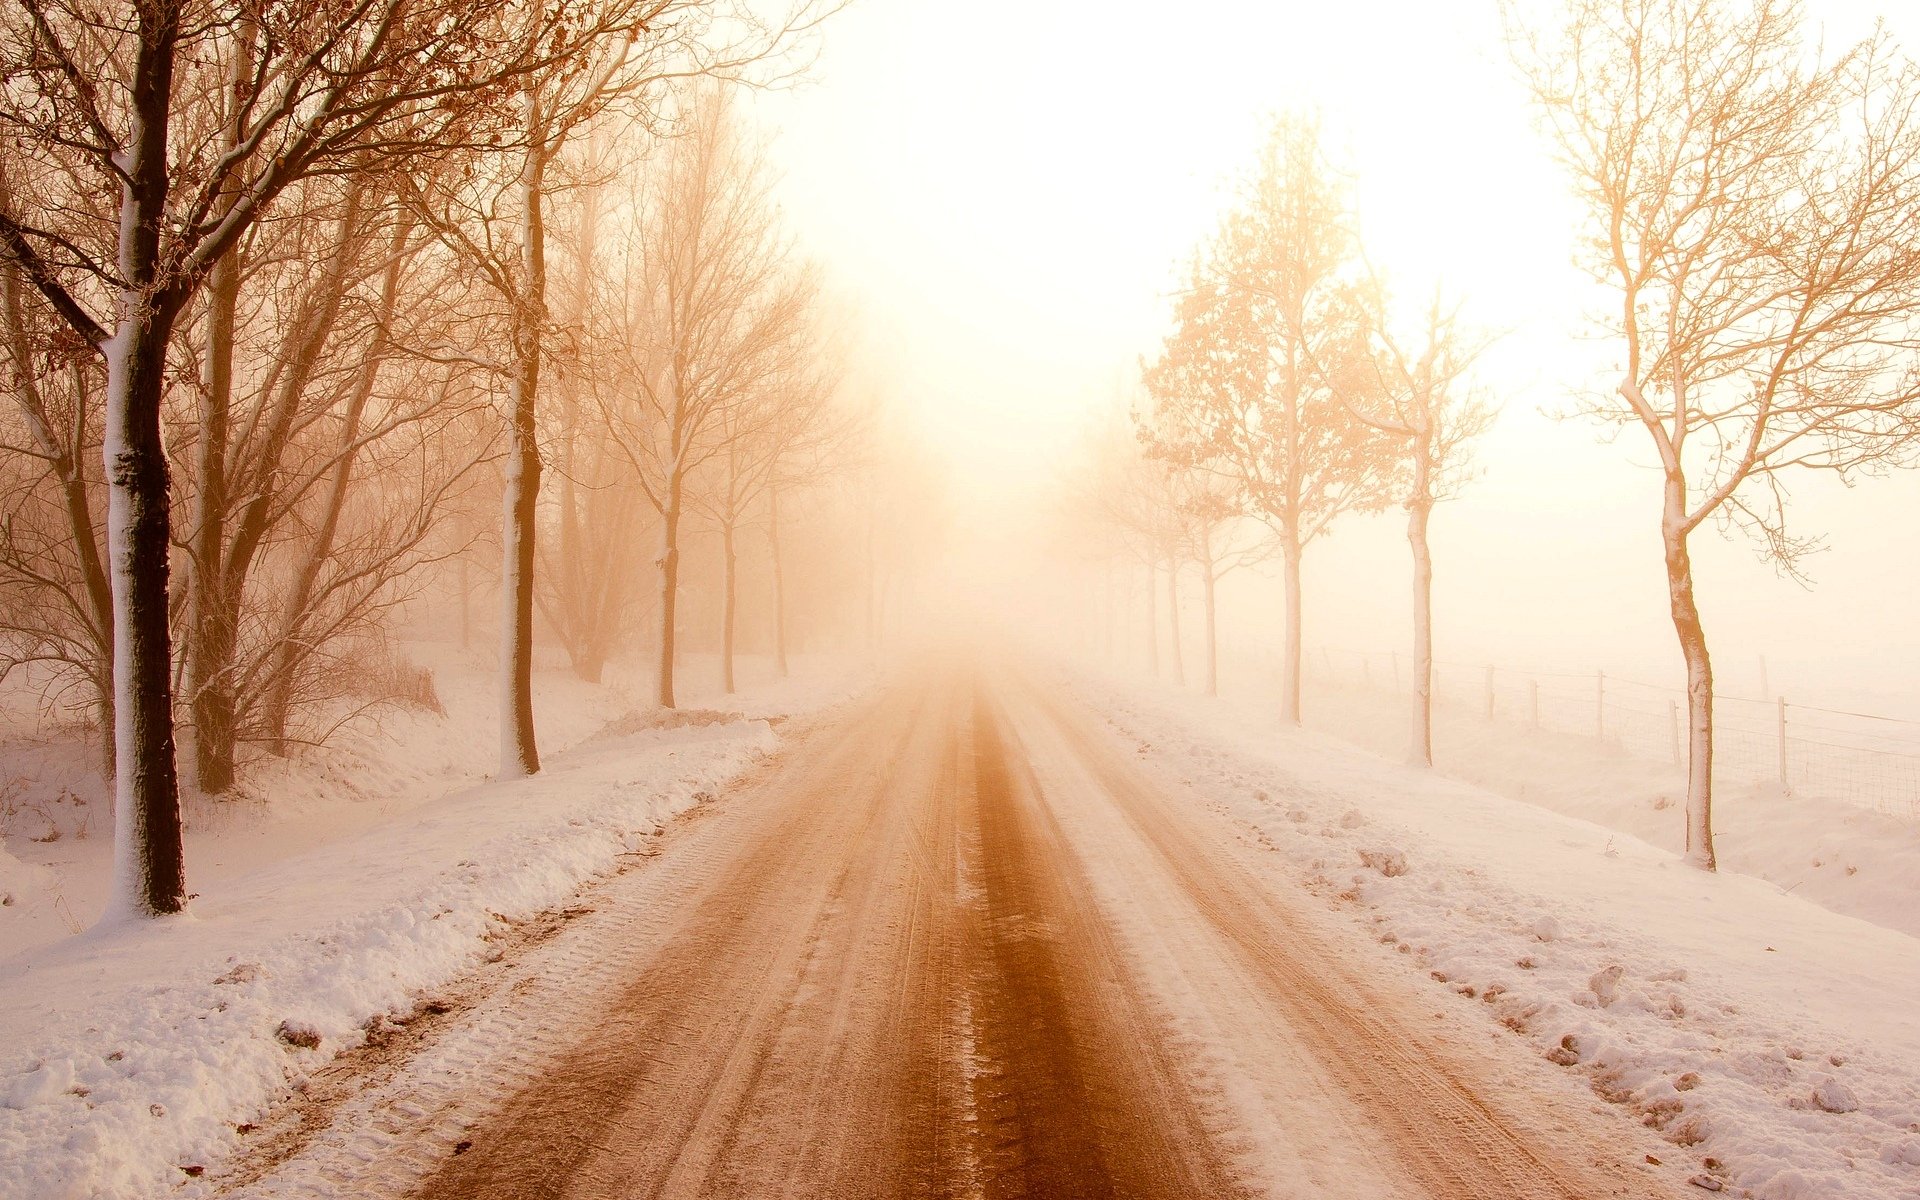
20	881
131	1054
1774	1043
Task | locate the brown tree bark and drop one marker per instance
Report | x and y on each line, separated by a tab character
519	754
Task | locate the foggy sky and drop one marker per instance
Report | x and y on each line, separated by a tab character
1007	204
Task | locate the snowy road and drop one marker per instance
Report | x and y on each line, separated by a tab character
954	945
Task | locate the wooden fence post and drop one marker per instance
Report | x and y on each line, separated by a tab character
1784	785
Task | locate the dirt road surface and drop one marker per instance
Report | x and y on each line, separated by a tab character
955	942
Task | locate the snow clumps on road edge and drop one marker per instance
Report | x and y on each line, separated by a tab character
1784	1074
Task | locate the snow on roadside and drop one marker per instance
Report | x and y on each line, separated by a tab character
1774	1043
1845	857
130	1055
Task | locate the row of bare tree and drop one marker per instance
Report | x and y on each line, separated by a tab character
1753	207
281	305
1290	392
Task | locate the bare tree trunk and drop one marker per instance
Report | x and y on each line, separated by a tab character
1290	660
466	606
64	451
1173	621
1213	643
1153	618
728	585
1419	509
318	550
149	866
519	754
211	619
779	584
669	591
1693	647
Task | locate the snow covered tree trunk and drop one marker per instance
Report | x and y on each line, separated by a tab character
1173	621
149	877
1153	619
779	584
518	752
1419	509
729	582
669	563
1693	647
149	864
1290	655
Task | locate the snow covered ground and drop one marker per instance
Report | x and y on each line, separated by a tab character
1774	1043
1845	857
352	882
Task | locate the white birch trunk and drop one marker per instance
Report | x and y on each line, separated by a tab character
1693	648
1419	509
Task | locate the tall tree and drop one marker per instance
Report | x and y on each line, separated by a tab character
715	313
1753	210
588	584
781	439
1415	392
1235	389
1219	539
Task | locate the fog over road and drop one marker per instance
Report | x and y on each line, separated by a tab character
952	942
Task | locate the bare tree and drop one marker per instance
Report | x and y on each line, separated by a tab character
714	315
58	613
775	440
1133	503
1235	389
1415	392
588	584
818	452
1753	210
1219	540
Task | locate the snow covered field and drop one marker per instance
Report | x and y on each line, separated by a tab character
1845	857
1774	1043
354	882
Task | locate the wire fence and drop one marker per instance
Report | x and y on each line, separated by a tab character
1862	759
